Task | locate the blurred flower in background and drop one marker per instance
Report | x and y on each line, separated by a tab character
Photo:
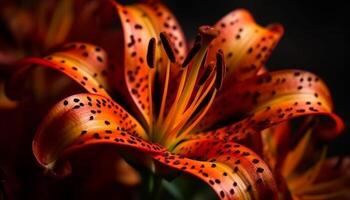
34	28
302	160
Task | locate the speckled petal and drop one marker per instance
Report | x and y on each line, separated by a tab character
247	45
84	63
141	22
85	119
272	98
231	170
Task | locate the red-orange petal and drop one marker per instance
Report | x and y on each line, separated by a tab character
141	22
84	63
334	167
247	45
231	170
164	21
277	141
275	97
85	119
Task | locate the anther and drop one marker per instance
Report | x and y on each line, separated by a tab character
193	52
220	69
151	53
167	46
205	75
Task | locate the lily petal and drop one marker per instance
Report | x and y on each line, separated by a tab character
323	180
82	120
84	63
247	46
141	22
232	170
272	98
277	142
333	181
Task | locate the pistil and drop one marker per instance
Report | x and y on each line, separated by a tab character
196	58
195	91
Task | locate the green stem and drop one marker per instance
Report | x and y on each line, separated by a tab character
157	190
154	187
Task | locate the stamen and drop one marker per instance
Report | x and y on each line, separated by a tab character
201	115
150	57
167	46
151	109
195	49
165	93
198	99
173	110
207	34
174	140
220	69
190	103
205	75
151	53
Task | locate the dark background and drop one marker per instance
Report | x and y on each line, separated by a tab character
314	39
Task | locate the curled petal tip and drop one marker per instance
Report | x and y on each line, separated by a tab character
276	28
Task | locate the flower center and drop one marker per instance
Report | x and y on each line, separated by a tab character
187	91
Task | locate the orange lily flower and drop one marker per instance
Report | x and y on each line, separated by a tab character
180	110
307	172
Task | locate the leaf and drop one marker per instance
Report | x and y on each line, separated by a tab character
84	63
272	98
83	120
232	170
247	46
